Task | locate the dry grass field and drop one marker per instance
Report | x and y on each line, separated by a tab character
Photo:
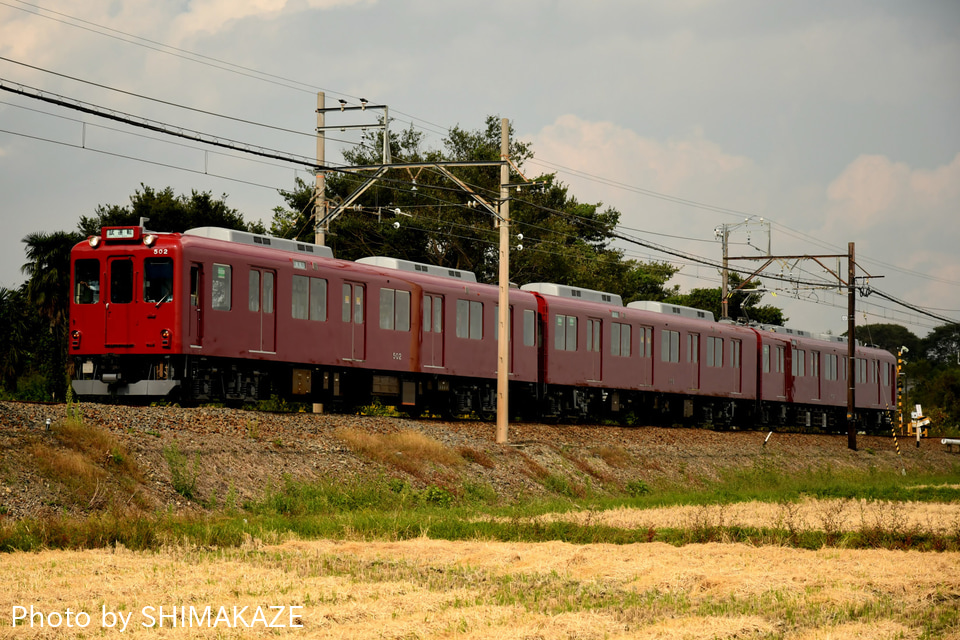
426	588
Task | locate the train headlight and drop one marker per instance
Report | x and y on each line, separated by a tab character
75	339
149	239
165	337
94	241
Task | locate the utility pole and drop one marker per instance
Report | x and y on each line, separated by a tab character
851	284
319	197
851	348
723	234
503	346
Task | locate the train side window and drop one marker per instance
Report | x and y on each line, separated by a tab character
470	319
766	358
815	364
529	328
646	342
300	297
221	286
620	339
86	277
394	309
593	335
254	291
735	348
670	346
566	333
797	365
268	292
714	352
693	349
432	314
318	299
780	368
121	281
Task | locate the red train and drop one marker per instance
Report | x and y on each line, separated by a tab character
219	315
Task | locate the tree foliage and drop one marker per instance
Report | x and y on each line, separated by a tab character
422	215
167	211
744	304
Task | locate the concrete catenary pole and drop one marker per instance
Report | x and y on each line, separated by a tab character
503	346
319	199
851	348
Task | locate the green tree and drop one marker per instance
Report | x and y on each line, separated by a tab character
422	215
942	345
744	304
48	292
168	212
890	337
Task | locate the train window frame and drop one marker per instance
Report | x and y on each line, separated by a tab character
151	282
221	287
669	345
469	319
693	349
529	328
565	338
121	281
797	364
86	277
318	299
620	337
394	309
736	351
300	297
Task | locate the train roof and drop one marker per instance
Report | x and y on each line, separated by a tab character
675	309
419	267
258	240
563	291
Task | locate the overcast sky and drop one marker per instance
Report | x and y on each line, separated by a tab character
837	121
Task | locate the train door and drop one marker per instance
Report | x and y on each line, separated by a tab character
594	349
119	301
645	352
432	331
355	347
195	313
262	301
736	353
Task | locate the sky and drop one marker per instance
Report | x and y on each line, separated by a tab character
807	124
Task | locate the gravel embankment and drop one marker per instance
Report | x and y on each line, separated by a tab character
241	453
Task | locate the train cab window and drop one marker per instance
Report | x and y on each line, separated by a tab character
121	281
529	328
470	319
670	346
566	333
221	287
158	280
620	339
86	277
394	309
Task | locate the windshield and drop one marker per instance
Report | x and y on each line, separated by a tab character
158	280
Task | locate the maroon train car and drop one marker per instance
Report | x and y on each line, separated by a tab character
213	314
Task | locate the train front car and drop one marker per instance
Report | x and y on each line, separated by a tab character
125	311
